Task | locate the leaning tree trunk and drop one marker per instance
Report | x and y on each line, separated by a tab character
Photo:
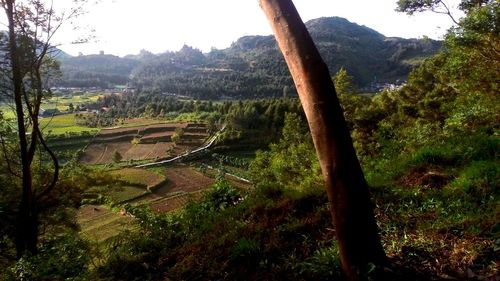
350	205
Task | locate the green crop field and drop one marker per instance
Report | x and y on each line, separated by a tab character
62	124
62	102
124	193
100	223
143	177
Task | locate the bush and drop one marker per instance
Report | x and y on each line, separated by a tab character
458	150
60	258
480	178
245	248
221	195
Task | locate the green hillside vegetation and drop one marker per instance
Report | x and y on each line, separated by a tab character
253	67
102	71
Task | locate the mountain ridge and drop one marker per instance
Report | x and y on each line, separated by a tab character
253	66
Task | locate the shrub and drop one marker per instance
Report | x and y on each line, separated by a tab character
60	258
480	178
245	248
221	195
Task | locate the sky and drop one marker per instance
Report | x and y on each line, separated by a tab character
122	27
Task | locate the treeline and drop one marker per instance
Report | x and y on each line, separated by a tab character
149	104
249	119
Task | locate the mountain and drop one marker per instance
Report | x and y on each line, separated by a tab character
253	66
366	54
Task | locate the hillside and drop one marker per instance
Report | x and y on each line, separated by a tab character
95	71
252	66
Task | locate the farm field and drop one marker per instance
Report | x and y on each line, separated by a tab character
62	102
145	142
126	192
175	186
147	179
174	202
184	179
64	124
99	223
183	183
163	189
134	122
132	183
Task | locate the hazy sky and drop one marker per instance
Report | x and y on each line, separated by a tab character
127	26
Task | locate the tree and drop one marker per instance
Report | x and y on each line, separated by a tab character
30	65
344	83
439	6
177	135
350	204
436	6
117	157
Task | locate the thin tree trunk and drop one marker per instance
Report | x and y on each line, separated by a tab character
27	221
350	204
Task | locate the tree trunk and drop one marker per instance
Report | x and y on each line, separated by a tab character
27	221
350	204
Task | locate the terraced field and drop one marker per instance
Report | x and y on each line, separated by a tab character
163	189
170	189
99	223
175	201
145	142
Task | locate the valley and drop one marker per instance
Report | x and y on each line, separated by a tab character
191	165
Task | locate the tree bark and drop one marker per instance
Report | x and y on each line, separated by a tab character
349	198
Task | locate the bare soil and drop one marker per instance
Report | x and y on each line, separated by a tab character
185	179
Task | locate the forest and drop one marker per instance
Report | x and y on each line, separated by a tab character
253	67
171	181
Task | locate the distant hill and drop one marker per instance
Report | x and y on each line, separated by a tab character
253	66
96	71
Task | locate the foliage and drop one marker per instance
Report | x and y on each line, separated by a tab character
104	71
292	162
177	135
222	194
344	83
324	264
479	179
218	239
117	157
62	257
